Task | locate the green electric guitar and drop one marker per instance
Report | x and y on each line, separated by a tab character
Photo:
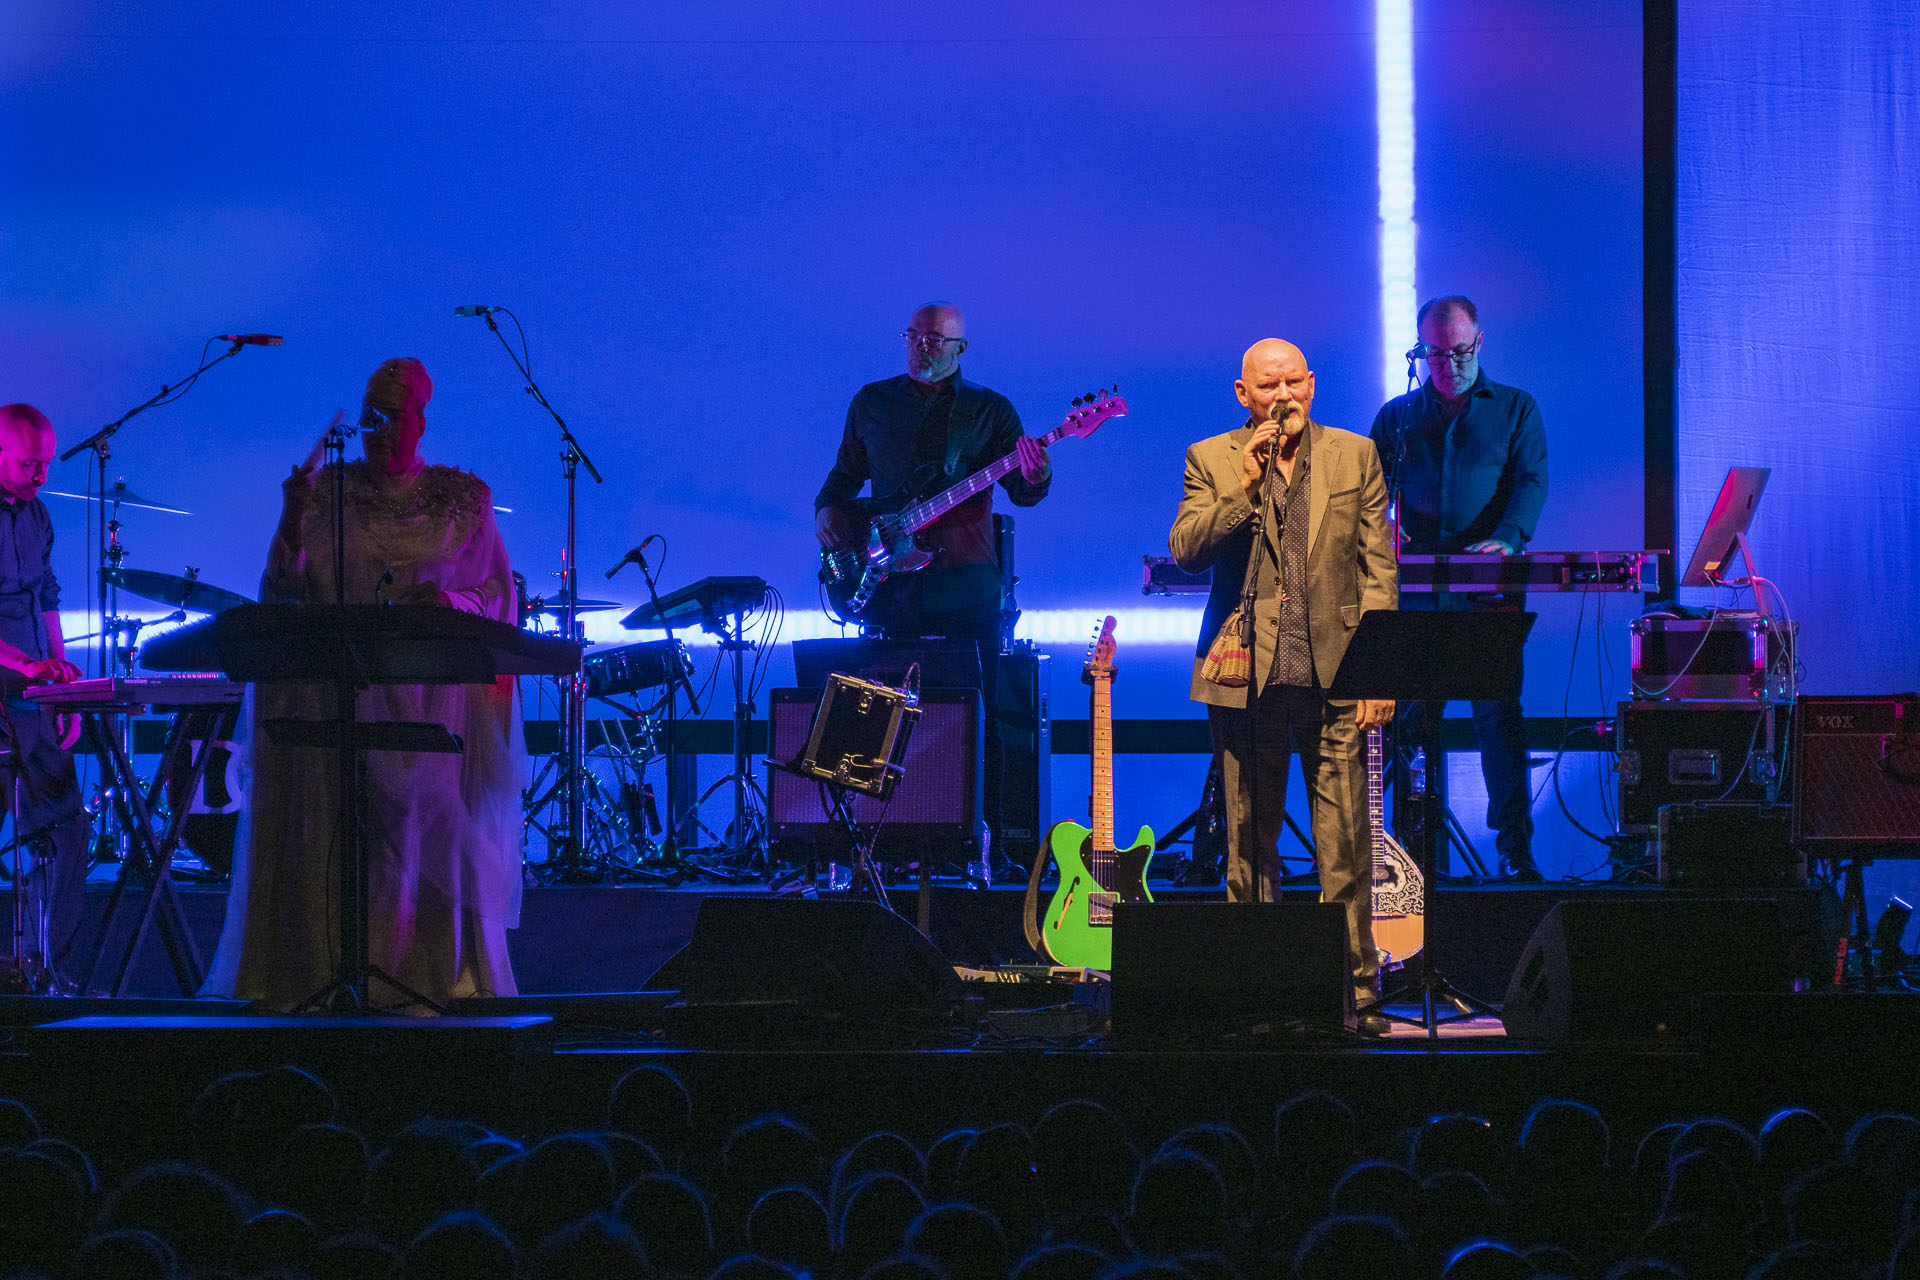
1078	927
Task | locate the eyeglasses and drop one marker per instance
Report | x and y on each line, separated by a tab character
916	338
1458	355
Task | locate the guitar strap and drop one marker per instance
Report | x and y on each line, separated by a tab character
1028	917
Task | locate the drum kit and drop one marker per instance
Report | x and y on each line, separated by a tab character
623	838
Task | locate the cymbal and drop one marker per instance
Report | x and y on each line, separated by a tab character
167	588
120	496
558	604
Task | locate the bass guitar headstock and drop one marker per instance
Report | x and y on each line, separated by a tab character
1090	410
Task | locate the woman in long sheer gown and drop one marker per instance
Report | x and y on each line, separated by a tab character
443	831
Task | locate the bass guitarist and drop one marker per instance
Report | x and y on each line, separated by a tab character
908	436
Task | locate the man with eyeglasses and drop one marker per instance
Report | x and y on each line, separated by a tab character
1468	459
914	435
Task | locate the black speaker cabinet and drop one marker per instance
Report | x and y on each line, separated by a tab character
1685	752
938	797
829	959
1856	776
1636	968
1026	739
1729	846
1193	970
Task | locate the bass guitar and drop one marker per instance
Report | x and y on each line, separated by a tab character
1399	890
852	574
1078	926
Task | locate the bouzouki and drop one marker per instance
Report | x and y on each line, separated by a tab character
1078	926
852	574
1399	890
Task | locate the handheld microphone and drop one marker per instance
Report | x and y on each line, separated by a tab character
474	310
1418	351
634	556
251	339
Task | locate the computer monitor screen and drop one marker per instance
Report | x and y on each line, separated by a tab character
1732	512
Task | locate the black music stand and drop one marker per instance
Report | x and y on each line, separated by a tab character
350	647
1418	656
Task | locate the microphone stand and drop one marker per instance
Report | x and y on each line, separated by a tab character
110	552
573	740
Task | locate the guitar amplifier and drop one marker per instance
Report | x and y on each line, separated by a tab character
938	796
1856	776
1691	752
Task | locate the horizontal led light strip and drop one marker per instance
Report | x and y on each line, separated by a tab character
1172	624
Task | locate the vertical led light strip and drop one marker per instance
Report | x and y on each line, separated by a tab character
1393	112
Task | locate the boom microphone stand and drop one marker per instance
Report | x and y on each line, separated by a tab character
573	738
100	443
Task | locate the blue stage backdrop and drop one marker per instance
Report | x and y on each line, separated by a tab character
713	220
1799	230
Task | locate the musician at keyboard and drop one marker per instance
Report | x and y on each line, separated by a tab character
53	826
1467	457
442	830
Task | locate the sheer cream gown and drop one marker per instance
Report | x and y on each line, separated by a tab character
443	831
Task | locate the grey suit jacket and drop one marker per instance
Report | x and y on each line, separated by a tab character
1351	565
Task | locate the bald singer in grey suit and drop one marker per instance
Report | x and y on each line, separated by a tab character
1311	589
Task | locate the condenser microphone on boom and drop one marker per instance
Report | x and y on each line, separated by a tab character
251	339
475	310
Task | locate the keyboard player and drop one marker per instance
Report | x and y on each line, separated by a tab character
39	764
1467	457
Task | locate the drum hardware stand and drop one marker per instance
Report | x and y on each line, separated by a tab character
671	854
573	722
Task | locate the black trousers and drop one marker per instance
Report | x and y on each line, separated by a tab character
53	831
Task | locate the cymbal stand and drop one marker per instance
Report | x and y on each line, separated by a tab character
677	680
573	723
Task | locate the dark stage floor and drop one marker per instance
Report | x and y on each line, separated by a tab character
581	953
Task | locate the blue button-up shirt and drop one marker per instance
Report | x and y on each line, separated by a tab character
1482	475
27	585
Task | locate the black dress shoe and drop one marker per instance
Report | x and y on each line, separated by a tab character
1371	1023
1525	872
